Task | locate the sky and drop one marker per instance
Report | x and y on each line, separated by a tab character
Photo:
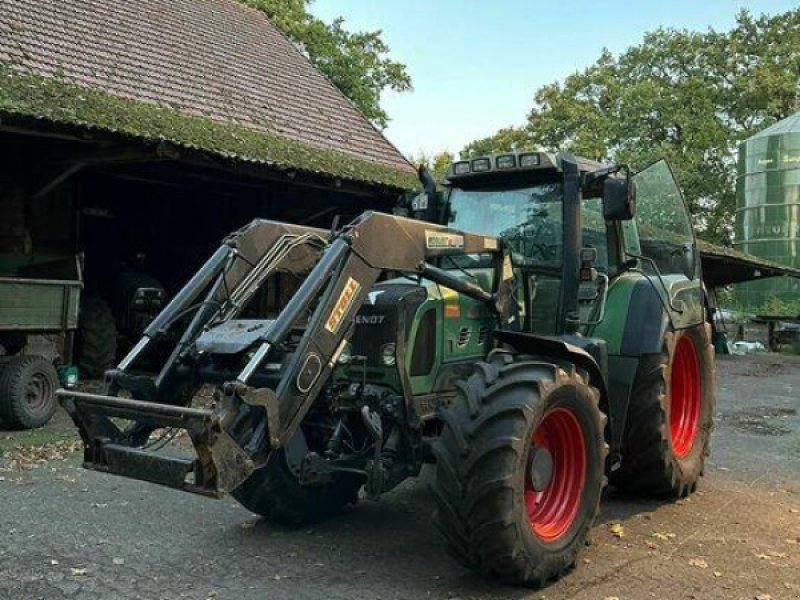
475	65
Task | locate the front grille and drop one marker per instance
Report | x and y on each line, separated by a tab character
463	337
482	335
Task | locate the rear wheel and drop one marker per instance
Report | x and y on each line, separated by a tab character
27	392
97	338
670	418
519	469
275	493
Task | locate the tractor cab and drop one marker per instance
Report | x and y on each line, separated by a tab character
572	228
551	211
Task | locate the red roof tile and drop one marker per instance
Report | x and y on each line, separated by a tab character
212	58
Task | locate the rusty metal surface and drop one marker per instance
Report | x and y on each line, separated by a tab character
219	464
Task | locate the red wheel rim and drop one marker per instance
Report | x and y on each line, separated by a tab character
684	398
552	510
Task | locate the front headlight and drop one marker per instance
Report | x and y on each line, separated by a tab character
461	168
506	161
388	352
529	160
481	164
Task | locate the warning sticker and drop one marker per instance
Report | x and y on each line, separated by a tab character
343	305
441	240
508	269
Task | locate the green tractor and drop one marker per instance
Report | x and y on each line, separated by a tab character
527	332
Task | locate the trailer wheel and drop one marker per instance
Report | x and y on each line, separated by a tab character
27	392
96	342
670	418
274	493
519	470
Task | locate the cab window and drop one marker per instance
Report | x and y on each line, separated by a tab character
661	230
528	219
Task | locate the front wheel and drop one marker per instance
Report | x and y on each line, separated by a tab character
274	493
519	469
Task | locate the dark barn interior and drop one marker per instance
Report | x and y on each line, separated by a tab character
140	141
125	204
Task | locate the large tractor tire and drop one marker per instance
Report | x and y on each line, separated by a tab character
274	493
97	338
27	392
670	418
519	469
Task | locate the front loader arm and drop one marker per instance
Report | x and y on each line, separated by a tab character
371	245
253	418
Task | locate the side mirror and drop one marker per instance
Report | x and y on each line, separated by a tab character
619	199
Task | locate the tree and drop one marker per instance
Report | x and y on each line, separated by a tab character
355	62
508	138
437	164
686	96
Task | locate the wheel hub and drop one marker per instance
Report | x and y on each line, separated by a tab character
37	392
556	474
540	468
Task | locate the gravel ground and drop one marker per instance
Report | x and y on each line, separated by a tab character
69	533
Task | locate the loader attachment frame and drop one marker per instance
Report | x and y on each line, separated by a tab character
256	412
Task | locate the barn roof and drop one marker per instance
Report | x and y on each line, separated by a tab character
209	74
723	266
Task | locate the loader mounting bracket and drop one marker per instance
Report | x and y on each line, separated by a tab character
220	465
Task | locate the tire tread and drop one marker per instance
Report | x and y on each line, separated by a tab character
475	487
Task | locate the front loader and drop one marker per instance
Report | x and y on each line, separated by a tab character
525	332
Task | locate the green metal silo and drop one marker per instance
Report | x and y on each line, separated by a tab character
768	212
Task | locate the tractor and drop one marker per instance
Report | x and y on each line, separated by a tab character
536	330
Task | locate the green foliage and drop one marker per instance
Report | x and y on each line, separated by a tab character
685	96
60	101
355	62
508	138
776	306
437	163
781	307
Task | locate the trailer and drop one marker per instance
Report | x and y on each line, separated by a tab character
39	296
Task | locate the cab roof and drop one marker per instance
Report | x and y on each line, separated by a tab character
507	163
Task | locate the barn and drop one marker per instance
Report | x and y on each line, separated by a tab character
138	134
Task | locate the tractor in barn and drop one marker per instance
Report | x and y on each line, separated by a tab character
538	329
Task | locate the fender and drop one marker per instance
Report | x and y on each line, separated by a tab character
647	321
591	355
585	353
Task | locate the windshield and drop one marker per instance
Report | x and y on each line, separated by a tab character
528	219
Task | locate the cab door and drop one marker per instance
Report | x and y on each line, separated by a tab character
662	239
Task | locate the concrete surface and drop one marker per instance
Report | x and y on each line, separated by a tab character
69	533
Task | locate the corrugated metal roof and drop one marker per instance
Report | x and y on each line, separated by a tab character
214	59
